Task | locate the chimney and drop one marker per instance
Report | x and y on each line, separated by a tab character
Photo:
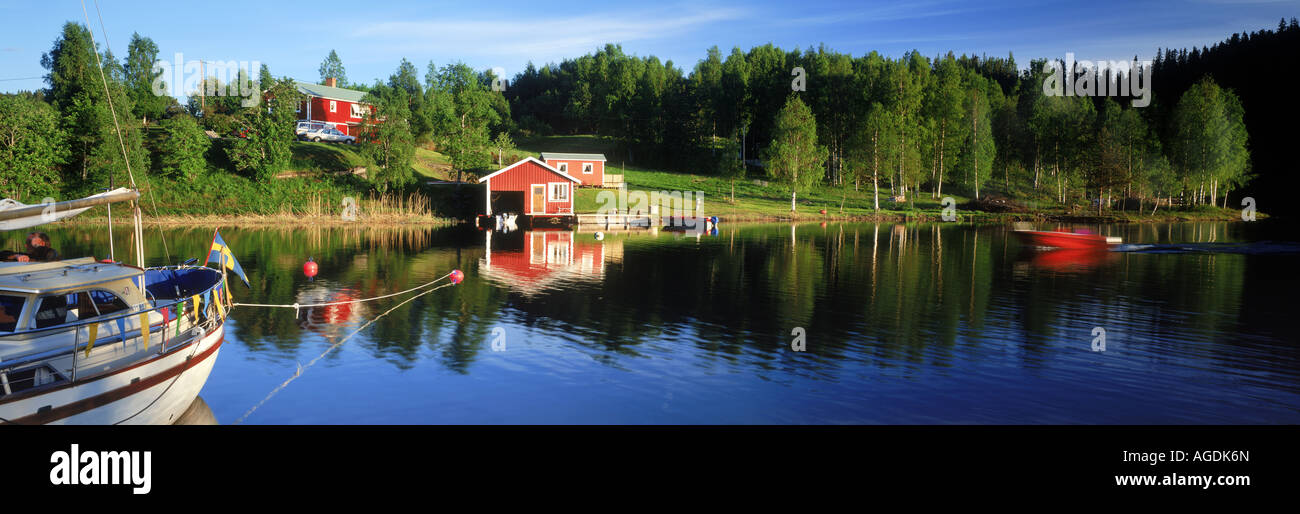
332	82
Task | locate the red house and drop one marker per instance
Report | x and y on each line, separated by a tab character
341	107
588	167
529	187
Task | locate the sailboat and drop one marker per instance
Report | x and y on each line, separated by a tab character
103	342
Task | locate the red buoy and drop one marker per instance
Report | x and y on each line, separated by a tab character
457	276
823	211
309	268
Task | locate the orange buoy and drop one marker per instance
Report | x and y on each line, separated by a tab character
457	276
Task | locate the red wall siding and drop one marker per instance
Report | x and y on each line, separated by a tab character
596	178
320	111
527	174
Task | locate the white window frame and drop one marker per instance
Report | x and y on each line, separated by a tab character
358	109
588	168
563	167
551	190
334	106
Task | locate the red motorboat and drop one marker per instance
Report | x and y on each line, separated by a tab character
1062	238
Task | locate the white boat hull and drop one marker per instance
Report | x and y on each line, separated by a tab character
156	391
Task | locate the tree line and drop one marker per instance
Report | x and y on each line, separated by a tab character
899	126
917	124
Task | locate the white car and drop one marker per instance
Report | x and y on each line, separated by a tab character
304	127
330	135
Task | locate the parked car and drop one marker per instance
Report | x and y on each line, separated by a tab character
304	127
329	135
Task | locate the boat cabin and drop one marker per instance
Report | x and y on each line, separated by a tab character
47	311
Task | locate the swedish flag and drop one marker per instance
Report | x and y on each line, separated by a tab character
220	253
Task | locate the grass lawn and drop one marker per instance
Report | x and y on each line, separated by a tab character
534	146
760	198
754	200
324	157
431	164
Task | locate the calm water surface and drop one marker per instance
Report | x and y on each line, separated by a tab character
903	323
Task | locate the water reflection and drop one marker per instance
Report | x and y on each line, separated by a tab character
197	414
905	323
534	262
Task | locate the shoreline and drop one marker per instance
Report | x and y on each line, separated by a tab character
257	220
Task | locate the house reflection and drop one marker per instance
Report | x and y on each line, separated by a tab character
328	320
537	260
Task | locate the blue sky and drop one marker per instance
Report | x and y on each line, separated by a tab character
372	37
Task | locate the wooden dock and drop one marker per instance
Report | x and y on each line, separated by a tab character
635	220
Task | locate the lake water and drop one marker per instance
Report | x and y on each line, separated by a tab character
902	323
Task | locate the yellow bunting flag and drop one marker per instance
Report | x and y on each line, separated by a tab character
144	328
221	311
195	299
94	332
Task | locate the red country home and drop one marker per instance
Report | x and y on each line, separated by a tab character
529	187
341	107
588	167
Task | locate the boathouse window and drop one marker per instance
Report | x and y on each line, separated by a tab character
586	168
10	308
563	167
559	192
334	106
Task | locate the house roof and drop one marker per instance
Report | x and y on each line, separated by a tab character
547	156
533	159
332	93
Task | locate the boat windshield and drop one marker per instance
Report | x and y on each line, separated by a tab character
10	308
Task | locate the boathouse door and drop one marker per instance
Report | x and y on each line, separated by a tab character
539	199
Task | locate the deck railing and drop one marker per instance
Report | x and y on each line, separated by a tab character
206	321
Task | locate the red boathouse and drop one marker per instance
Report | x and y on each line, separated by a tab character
529	187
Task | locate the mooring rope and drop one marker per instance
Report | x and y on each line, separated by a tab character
297	306
297	373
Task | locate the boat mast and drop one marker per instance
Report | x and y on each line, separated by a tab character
126	159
